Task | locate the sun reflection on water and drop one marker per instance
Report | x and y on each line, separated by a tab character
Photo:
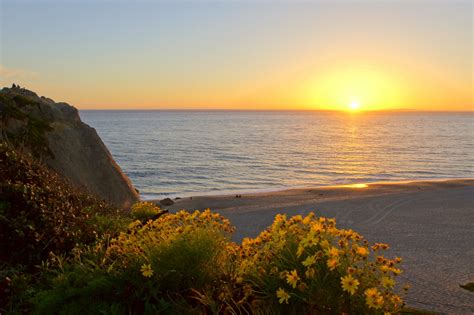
356	186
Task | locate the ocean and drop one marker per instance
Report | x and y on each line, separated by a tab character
190	153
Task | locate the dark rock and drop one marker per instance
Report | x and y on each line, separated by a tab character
166	202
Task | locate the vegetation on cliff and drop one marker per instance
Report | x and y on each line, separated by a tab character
40	214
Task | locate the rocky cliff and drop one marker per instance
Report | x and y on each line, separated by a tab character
54	133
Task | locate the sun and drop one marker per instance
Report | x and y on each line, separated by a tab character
354	105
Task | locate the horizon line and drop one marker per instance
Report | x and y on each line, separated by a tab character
273	110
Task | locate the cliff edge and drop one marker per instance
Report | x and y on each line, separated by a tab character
54	133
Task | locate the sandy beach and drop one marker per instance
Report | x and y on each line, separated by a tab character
429	224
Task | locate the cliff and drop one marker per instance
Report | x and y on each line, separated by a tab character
54	134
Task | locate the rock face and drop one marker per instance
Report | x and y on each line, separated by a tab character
54	133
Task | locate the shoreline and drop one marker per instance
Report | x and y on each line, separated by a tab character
258	191
428	223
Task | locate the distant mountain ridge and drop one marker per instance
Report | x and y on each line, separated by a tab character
54	133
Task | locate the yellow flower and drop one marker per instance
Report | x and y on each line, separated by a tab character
388	282
309	273
299	251
325	244
362	251
317	227
146	270
372	292
396	300
373	298
292	278
311	260
297	218
309	240
384	268
378	302
332	263
349	284
282	295
308	218
333	252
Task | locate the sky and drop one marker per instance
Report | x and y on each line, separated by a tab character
256	55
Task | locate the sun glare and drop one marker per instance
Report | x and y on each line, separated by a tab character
356	88
354	105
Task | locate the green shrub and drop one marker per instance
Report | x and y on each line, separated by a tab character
155	267
145	211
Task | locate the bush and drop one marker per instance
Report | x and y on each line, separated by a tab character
185	263
145	211
307	265
154	267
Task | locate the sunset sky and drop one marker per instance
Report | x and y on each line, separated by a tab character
241	55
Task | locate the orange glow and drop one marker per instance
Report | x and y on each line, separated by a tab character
356	186
342	89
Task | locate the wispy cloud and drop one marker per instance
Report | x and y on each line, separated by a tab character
12	74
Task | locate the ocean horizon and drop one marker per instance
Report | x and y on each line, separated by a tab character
169	153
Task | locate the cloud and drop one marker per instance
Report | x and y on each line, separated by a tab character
11	74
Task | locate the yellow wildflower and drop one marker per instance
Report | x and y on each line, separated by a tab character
349	284
292	278
332	263
146	270
282	295
378	302
333	252
362	251
317	227
297	218
309	273
308	218
384	268
373	298
388	282
325	244
372	292
310	260
310	239
300	251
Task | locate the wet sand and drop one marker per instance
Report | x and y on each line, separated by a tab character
430	224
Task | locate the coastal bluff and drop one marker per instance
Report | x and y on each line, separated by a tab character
54	133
